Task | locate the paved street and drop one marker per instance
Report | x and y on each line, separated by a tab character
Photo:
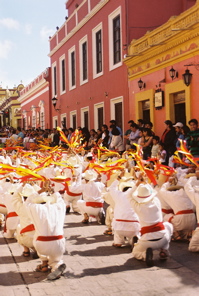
94	267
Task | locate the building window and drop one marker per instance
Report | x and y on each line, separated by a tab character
84	61
73	68
42	120
85	117
55	80
63	76
99	115
99	51
34	121
116	40
73	119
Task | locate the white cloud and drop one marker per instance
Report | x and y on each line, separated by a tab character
45	33
28	29
5	48
9	23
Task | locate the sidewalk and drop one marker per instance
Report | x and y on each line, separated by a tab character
96	268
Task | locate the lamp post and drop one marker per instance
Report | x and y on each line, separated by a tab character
141	84
54	101
187	76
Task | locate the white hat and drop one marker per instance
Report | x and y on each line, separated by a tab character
72	160
27	190
196	188
13	187
44	198
90	175
124	184
178	124
144	193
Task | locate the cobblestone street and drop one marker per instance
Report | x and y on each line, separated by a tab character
94	267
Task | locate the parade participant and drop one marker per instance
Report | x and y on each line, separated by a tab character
155	235
192	190
183	217
92	203
25	229
12	219
125	222
48	213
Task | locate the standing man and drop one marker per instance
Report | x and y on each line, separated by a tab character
193	138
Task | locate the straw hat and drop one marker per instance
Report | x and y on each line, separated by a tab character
144	193
174	188
27	190
127	183
90	175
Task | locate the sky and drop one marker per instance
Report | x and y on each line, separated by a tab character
25	27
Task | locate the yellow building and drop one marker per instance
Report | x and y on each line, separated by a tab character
10	113
158	61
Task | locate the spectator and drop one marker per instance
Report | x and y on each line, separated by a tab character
169	139
149	125
162	154
126	135
141	123
113	122
146	143
155	147
193	138
178	128
116	141
134	135
105	135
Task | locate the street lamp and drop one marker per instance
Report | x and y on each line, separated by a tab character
187	76
173	73
141	84
54	101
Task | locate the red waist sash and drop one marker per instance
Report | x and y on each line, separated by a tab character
30	227
11	214
167	211
121	220
94	204
152	228
49	238
3	206
185	212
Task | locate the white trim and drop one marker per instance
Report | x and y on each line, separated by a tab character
54	65
62	116
60	73
85	109
111	16
89	6
55	118
74	112
35	96
72	49
96	107
112	107
81	42
94	31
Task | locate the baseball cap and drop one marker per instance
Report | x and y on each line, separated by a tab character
178	124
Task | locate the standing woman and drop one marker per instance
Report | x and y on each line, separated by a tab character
146	143
116	141
169	139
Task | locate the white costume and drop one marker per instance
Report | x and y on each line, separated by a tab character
184	218
154	233
192	190
125	221
48	220
25	230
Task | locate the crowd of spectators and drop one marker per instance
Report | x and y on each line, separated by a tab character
140	133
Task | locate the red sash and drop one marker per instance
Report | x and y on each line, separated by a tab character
49	238
30	227
69	192
121	220
167	211
94	204
152	228
3	206
185	212
11	214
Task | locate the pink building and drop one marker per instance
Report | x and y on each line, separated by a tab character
36	105
89	78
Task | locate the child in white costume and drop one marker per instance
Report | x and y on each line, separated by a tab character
192	190
48	214
183	218
154	233
125	221
12	219
92	203
25	229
